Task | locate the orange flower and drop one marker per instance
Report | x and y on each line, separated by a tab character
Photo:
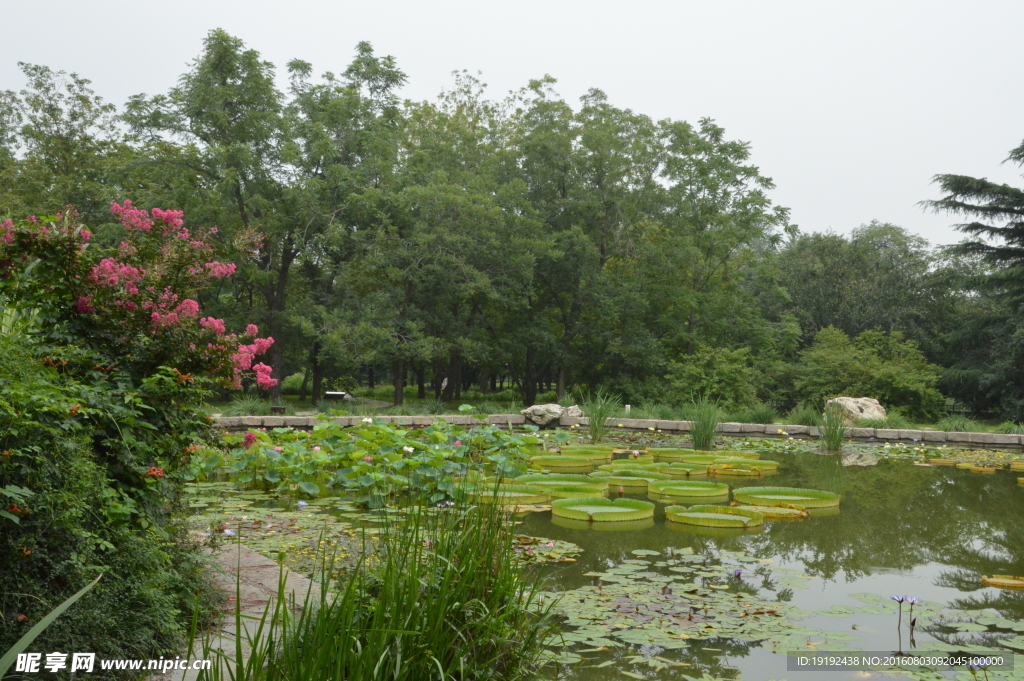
74	409
13	508
25	552
155	472
6	453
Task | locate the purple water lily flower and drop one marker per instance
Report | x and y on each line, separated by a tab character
302	505
900	600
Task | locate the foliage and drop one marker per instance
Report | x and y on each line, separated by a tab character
704	414
894	418
833	428
598	407
376	462
804	415
449	600
958	423
874	364
715	373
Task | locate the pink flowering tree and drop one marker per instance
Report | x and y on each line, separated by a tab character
123	325
136	304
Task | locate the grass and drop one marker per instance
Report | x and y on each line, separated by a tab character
833	428
247	405
804	415
598	407
1010	428
757	413
447	601
958	423
705	415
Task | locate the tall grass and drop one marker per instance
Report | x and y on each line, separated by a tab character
247	405
598	407
1010	428
705	415
958	423
757	413
448	601
894	419
833	428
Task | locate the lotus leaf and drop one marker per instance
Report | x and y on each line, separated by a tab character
602	509
773	496
543	550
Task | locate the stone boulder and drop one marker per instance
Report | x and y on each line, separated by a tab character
573	412
858	408
543	414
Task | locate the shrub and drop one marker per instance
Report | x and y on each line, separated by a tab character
758	413
875	364
717	373
804	415
1010	428
894	418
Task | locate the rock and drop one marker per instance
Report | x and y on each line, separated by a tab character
543	414
573	412
859	408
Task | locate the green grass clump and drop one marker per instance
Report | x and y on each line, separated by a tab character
804	415
704	414
833	429
598	407
601	509
448	600
958	423
1010	428
758	413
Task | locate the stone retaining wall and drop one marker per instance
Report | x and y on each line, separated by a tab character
737	429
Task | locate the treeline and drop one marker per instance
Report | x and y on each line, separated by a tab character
524	242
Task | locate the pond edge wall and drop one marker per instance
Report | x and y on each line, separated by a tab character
637	425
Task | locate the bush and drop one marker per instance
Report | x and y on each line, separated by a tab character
715	373
804	415
758	413
292	384
958	423
875	364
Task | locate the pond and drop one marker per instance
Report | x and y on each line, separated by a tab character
902	529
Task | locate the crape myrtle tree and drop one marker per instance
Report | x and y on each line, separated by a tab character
987	369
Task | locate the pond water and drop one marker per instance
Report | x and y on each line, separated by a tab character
904	529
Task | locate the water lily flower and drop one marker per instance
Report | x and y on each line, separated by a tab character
368	459
278	449
737	573
408	449
316	449
229	533
302	505
458	443
367	420
900	600
550	543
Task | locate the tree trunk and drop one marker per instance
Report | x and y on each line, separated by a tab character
453	390
421	385
528	388
369	377
305	383
318	374
399	382
560	387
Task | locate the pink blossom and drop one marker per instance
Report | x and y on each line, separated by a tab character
252	330
188	309
278	449
368	459
263	378
316	449
262	344
163	320
131	306
132	218
85	234
216	324
171	218
250	439
458	443
8	235
83	305
110	272
220	269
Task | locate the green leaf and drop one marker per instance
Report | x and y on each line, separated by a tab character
309	487
25	641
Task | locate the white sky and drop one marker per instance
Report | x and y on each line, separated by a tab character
850	107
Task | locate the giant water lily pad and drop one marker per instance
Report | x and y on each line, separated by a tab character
602	510
772	496
689	488
714	516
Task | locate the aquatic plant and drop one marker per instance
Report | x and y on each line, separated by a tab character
833	429
704	415
549	480
714	516
448	600
689	488
509	494
634	480
570	492
771	496
779	512
626	464
600	509
746	463
681	469
563	463
598	407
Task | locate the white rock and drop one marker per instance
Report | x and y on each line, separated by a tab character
573	412
860	459
543	414
859	408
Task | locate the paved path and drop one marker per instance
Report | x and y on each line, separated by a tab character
253	579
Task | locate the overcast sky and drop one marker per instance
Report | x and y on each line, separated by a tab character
850	107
